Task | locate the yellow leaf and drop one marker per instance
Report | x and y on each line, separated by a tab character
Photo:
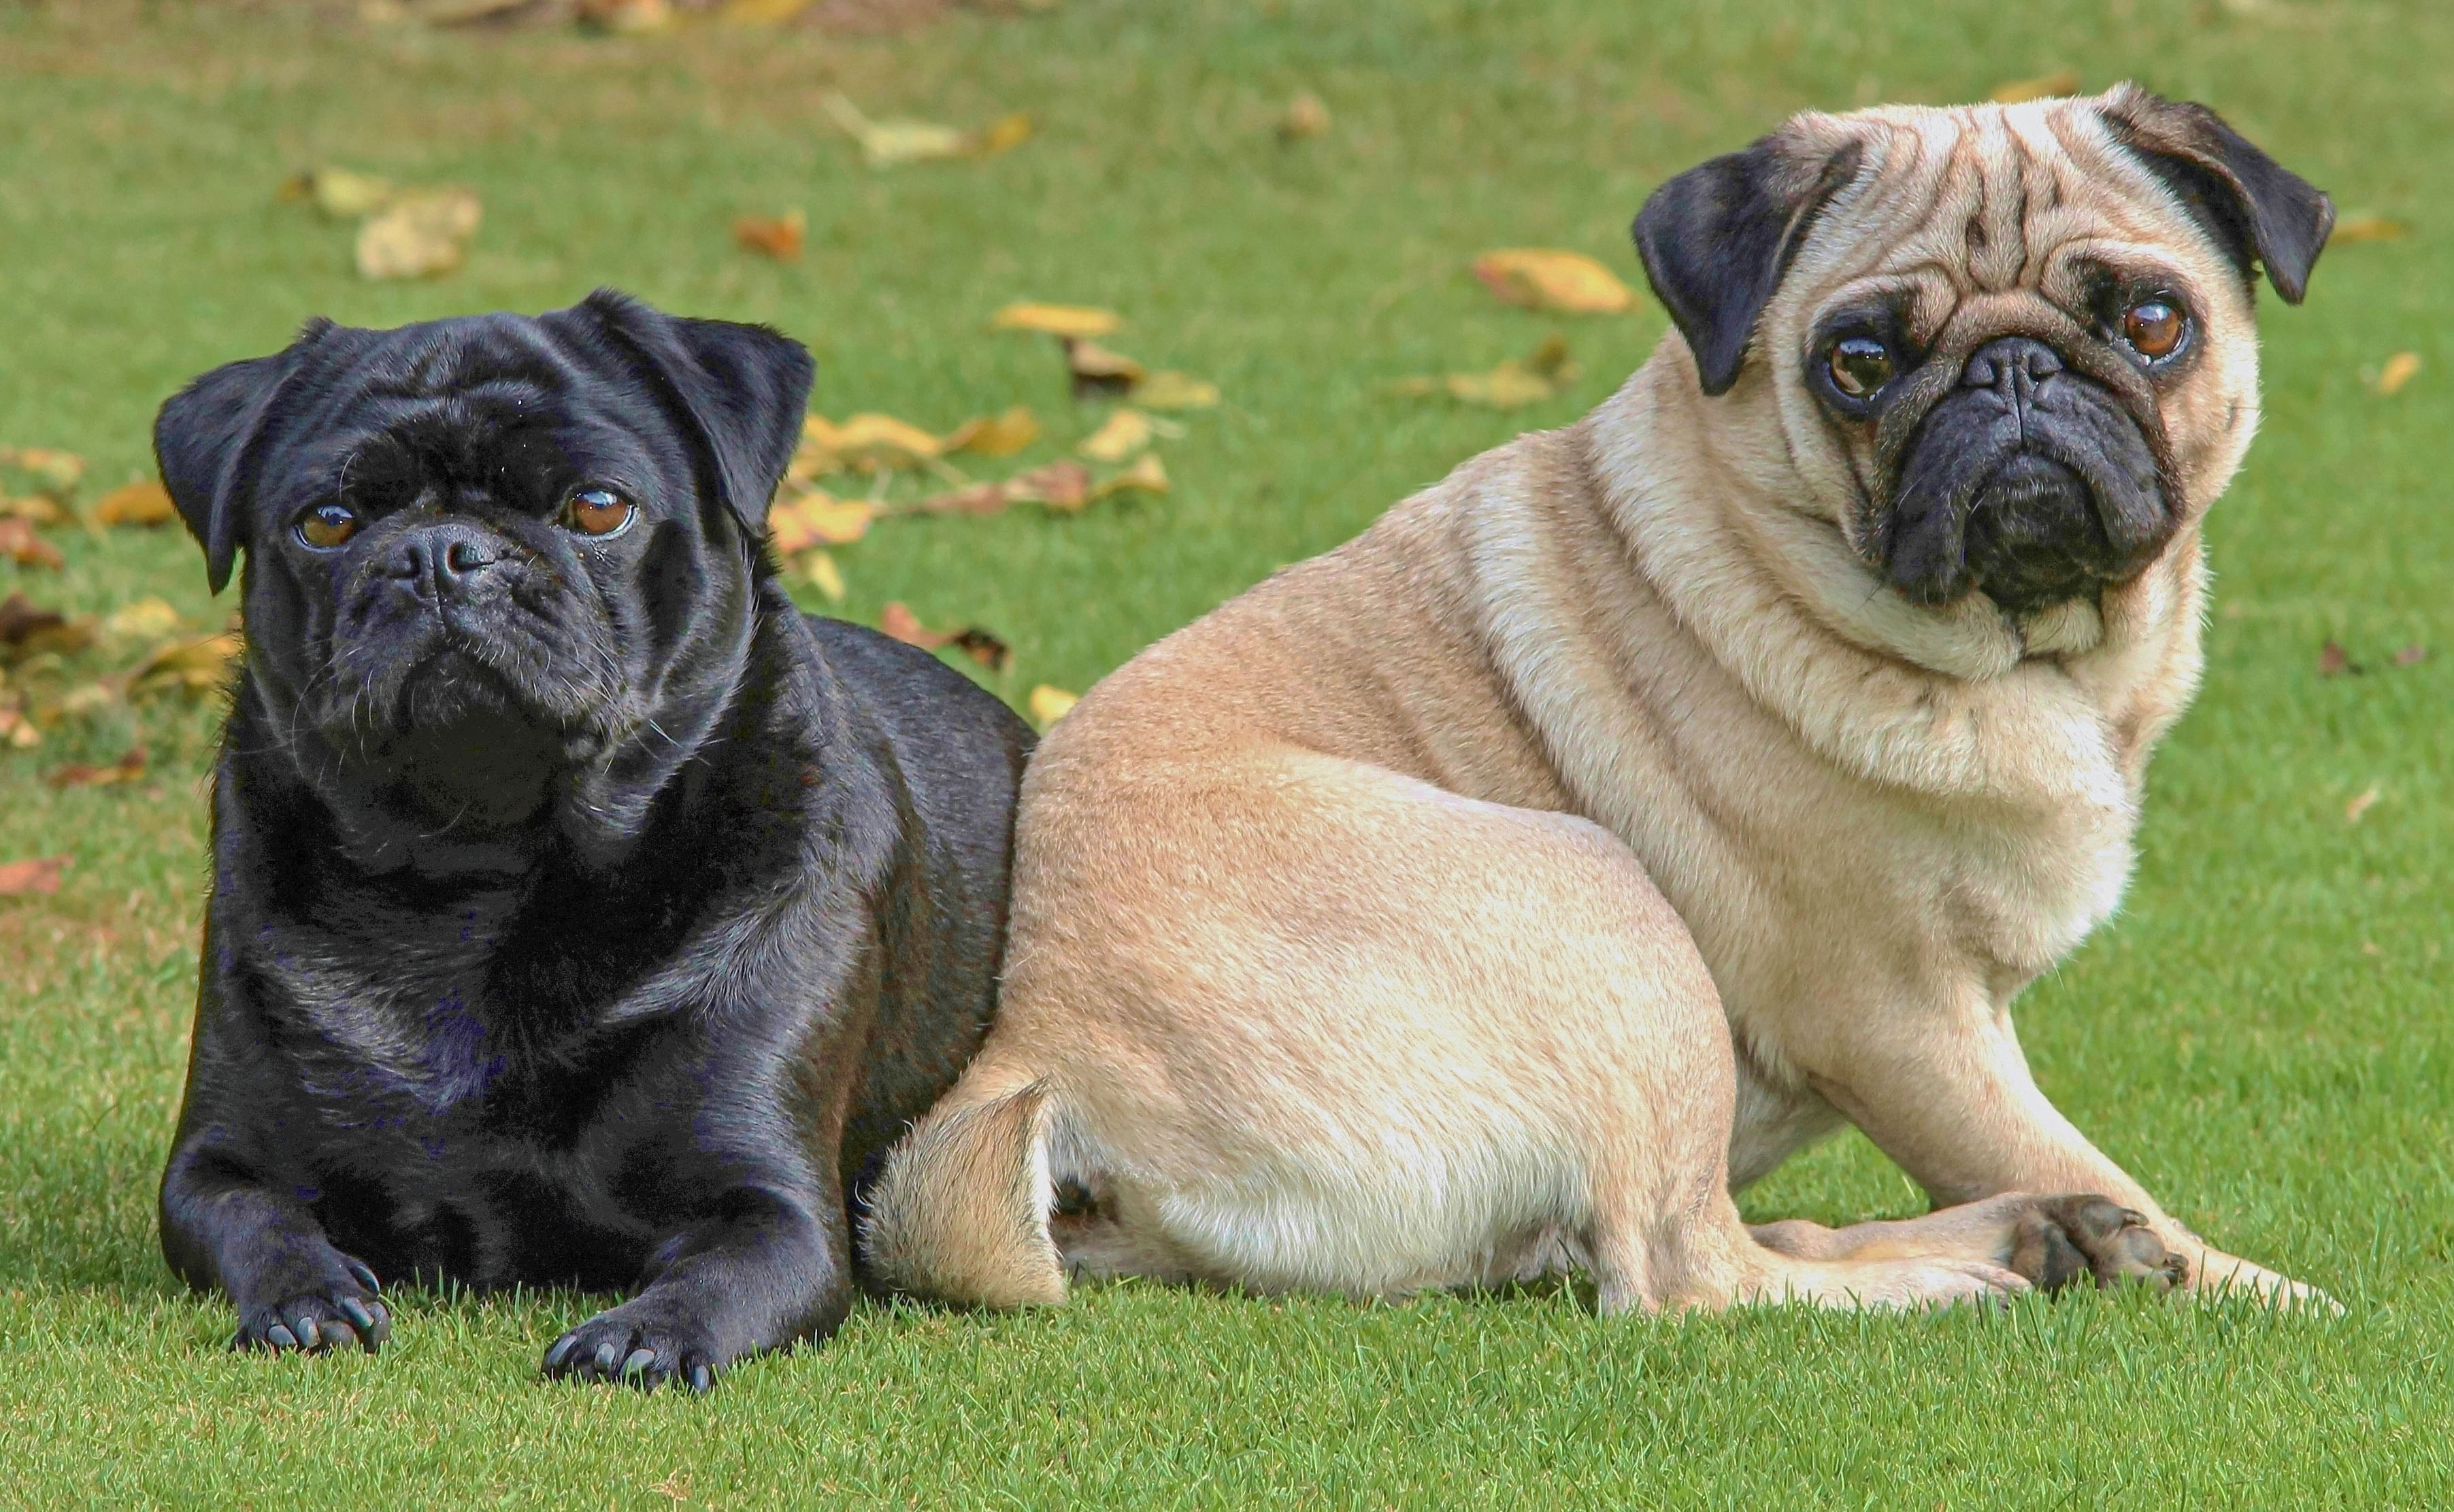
995	435
762	13
1149	475
870	441
2044	87
778	237
421	233
1079	320
825	575
143	503
195	665
2368	228
339	192
55	473
1544	278
1305	118
35	510
1506	386
1126	432
1098	371
2398	370
817	520
1003	134
1050	704
148	619
2362	805
889	144
1169	390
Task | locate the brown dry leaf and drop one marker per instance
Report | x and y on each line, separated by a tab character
339	192
143	503
1169	390
1098	371
1149	475
421	233
1126	432
762	13
36	510
626	19
1304	119
818	519
2398	370
148	619
38	877
195	665
1050	704
1001	135
779	236
2044	87
1064	486
1545	278
983	648
2412	656
897	620
995	435
819	567
1078	321
127	770
19	544
55	473
980	497
1512	384
25	630
2362	805
2368	229
2334	662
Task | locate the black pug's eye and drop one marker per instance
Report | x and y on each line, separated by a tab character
1861	365
596	511
323	526
2154	328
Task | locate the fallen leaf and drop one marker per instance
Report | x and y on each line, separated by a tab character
148	619
1058	486
778	237
55	473
762	13
1148	475
19	544
1544	278
1050	704
1305	118
2398	370
870	443
978	498
818	519
144	503
194	665
1539	376
995	435
819	566
983	648
1126	432
37	877
17	731
1098	371
37	509
2370	947
897	620
27	630
2046	86
1079	320
2412	656
421	233
2334	662
462	13
127	770
86	699
2367	801
1001	135
1169	390
891	144
2368	229
339	192
629	18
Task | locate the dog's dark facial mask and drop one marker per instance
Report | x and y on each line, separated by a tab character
500	571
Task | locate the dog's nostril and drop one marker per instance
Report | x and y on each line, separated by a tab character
461	558
2009	359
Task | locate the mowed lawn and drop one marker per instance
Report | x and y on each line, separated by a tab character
2263	1036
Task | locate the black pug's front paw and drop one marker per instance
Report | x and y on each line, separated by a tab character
2060	1238
645	1343
329	1311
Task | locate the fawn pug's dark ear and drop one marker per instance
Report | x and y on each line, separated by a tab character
1718	239
205	442
742	389
2250	204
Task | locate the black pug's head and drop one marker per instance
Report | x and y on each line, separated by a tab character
2009	352
499	568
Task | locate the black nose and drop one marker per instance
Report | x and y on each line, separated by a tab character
2013	366
439	561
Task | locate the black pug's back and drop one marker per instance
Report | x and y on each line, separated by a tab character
582	913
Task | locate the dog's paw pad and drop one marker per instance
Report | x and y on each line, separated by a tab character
2058	1240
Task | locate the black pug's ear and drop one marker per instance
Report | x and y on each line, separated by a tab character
744	389
204	441
1718	239
2249	202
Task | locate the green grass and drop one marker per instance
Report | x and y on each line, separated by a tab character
2263	1037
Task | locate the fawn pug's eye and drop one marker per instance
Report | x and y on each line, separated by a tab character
596	511
324	527
2154	326
1861	365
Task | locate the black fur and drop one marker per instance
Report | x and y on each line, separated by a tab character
582	914
2246	200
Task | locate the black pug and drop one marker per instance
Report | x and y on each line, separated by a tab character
582	913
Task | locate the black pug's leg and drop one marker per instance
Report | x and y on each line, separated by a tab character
293	1290
766	1272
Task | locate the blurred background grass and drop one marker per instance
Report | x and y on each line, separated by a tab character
2263	1036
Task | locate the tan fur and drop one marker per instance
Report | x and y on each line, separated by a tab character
1498	892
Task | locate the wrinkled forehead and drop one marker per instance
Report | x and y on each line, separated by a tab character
1957	204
